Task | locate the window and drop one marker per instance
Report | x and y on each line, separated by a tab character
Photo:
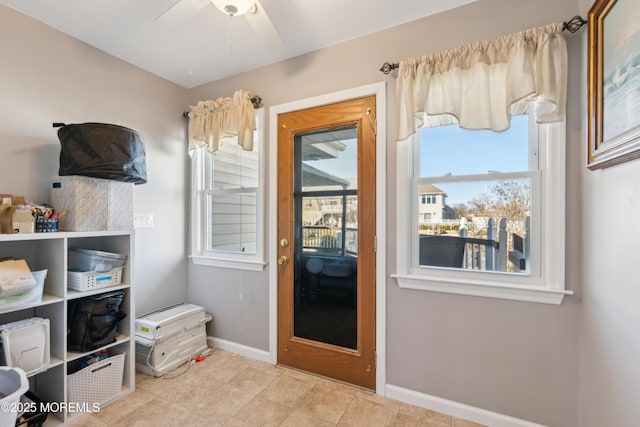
328	187
498	229
227	205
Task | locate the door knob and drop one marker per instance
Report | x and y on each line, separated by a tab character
283	260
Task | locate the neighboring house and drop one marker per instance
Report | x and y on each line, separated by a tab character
432	205
325	210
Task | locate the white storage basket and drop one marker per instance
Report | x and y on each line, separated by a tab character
90	280
97	383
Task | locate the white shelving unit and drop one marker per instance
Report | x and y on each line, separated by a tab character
50	251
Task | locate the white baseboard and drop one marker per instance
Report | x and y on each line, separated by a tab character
240	349
458	410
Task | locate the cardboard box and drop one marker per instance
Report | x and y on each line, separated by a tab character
23	221
92	204
7	211
6	218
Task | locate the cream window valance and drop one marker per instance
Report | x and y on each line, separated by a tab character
480	86
210	121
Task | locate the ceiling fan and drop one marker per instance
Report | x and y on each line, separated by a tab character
251	10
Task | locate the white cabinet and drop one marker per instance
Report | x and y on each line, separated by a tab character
50	251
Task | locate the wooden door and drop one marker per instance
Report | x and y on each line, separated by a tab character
326	240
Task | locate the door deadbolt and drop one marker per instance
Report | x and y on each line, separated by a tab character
284	243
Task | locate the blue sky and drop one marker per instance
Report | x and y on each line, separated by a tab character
450	149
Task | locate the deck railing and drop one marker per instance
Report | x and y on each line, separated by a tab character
500	250
325	238
494	252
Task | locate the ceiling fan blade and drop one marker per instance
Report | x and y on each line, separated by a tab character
181	11
263	27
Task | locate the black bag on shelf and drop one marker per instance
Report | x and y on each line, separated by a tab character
101	150
34	416
92	321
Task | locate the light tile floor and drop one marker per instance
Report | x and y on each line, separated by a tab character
230	390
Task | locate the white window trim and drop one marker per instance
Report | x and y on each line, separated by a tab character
231	260
546	285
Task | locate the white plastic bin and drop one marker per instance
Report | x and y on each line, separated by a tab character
13	384
25	345
90	280
90	260
32	297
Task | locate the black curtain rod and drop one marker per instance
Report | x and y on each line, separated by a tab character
572	25
255	100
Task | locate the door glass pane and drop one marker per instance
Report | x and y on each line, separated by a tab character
329	160
326	233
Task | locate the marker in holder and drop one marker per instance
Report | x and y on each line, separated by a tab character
46	225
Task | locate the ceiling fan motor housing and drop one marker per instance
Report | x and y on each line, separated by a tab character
231	10
234	7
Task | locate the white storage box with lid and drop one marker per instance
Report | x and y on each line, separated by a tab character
97	383
91	269
91	260
25	345
92	204
169	337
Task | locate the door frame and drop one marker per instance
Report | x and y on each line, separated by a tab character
379	90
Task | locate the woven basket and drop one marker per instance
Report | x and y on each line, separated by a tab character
97	383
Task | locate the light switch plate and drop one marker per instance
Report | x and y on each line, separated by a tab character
142	220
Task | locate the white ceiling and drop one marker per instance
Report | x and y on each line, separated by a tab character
210	45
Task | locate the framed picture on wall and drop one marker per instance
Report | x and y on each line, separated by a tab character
614	82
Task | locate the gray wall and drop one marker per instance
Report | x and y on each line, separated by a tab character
514	358
610	314
47	76
567	365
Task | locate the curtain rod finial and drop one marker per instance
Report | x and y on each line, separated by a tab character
387	67
256	101
574	24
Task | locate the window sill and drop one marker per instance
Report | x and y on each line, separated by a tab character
537	294
234	264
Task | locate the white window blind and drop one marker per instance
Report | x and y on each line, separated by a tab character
232	199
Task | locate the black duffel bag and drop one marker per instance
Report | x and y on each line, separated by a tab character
92	322
101	150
